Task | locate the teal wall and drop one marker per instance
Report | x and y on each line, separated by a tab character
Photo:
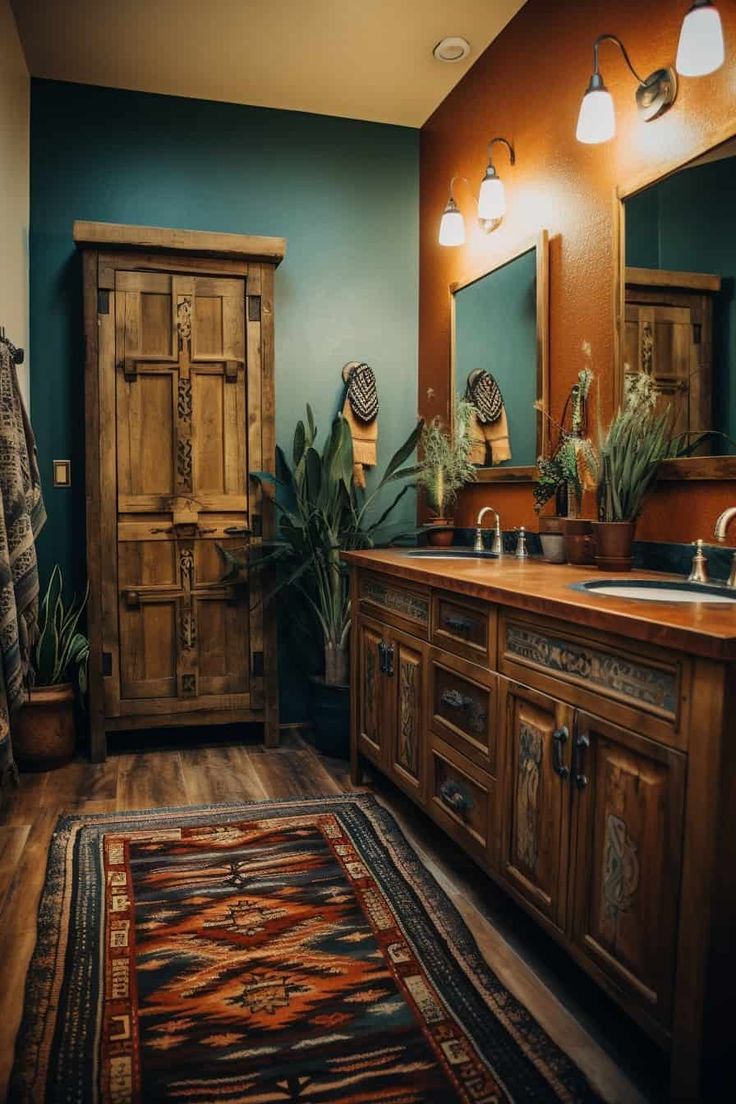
343	193
687	223
496	329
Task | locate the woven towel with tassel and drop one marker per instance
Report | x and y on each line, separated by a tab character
490	428
360	410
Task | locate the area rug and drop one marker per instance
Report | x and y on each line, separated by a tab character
291	951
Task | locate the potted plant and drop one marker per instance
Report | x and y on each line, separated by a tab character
44	729
321	514
444	468
625	467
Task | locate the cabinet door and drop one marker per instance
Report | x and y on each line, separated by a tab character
627	822
537	806
373	714
406	671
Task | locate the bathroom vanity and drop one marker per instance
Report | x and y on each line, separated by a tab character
581	749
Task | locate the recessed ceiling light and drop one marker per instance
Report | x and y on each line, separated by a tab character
452	48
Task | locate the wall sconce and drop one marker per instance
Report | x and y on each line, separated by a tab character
700	50
491	202
597	118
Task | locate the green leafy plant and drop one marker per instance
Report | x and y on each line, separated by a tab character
445	466
626	462
321	514
566	468
61	651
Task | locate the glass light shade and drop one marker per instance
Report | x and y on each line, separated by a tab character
700	50
491	199
452	227
597	118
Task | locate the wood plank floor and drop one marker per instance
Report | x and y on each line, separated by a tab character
620	1063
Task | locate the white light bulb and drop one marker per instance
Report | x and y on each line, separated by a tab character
700	50
597	118
491	199
452	227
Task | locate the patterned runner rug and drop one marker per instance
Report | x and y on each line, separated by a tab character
291	952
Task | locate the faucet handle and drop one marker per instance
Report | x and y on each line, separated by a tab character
521	549
699	566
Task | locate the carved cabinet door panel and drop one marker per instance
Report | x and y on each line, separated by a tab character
407	673
183	640
536	821
627	840
373	713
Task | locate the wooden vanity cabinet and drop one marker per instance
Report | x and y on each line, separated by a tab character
587	773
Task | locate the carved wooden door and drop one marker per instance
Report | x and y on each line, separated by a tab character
406	669
627	840
185	641
373	713
536	830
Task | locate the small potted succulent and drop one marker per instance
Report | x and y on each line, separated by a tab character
44	730
445	467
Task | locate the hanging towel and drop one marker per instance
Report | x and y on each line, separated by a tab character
360	410
22	516
489	428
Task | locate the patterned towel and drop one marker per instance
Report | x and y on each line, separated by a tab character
22	515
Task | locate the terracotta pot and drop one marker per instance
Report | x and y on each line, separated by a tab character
440	532
551	524
43	731
579	540
613	540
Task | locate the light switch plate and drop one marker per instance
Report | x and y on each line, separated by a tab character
62	473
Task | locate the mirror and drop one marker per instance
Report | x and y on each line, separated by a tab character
499	361
677	308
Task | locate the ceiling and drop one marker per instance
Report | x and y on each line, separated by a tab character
363	59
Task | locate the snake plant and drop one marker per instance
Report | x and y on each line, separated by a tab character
321	513
61	651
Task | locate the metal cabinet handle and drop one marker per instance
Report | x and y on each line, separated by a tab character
582	742
459	624
560	736
381	647
390	653
455	700
455	797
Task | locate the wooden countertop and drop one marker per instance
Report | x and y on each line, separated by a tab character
540	587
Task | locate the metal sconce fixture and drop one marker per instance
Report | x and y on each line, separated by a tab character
491	202
700	50
597	119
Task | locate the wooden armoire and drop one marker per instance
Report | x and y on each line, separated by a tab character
179	399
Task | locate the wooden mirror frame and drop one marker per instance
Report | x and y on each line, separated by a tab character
686	467
518	473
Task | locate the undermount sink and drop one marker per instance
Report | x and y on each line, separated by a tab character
650	590
450	554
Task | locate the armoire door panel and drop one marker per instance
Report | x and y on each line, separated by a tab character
146	434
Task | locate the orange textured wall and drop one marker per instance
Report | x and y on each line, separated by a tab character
527	87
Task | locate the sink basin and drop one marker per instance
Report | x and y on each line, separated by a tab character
650	590
450	554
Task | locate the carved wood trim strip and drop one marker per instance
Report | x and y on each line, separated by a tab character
626	677
404	602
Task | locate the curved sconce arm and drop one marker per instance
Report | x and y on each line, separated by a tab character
504	142
617	41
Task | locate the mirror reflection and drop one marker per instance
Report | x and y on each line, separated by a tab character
679	321
497	359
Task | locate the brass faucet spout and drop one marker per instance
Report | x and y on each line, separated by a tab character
722	523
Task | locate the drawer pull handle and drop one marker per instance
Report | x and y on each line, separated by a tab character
581	743
560	737
458	624
455	797
455	700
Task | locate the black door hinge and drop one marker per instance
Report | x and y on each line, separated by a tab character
103	301
257	668
107	664
697	333
256	525
254	308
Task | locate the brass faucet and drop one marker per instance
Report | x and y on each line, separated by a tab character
497	542
719	532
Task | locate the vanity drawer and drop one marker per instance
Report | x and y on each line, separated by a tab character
465	628
462	800
394	602
464	713
645	687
